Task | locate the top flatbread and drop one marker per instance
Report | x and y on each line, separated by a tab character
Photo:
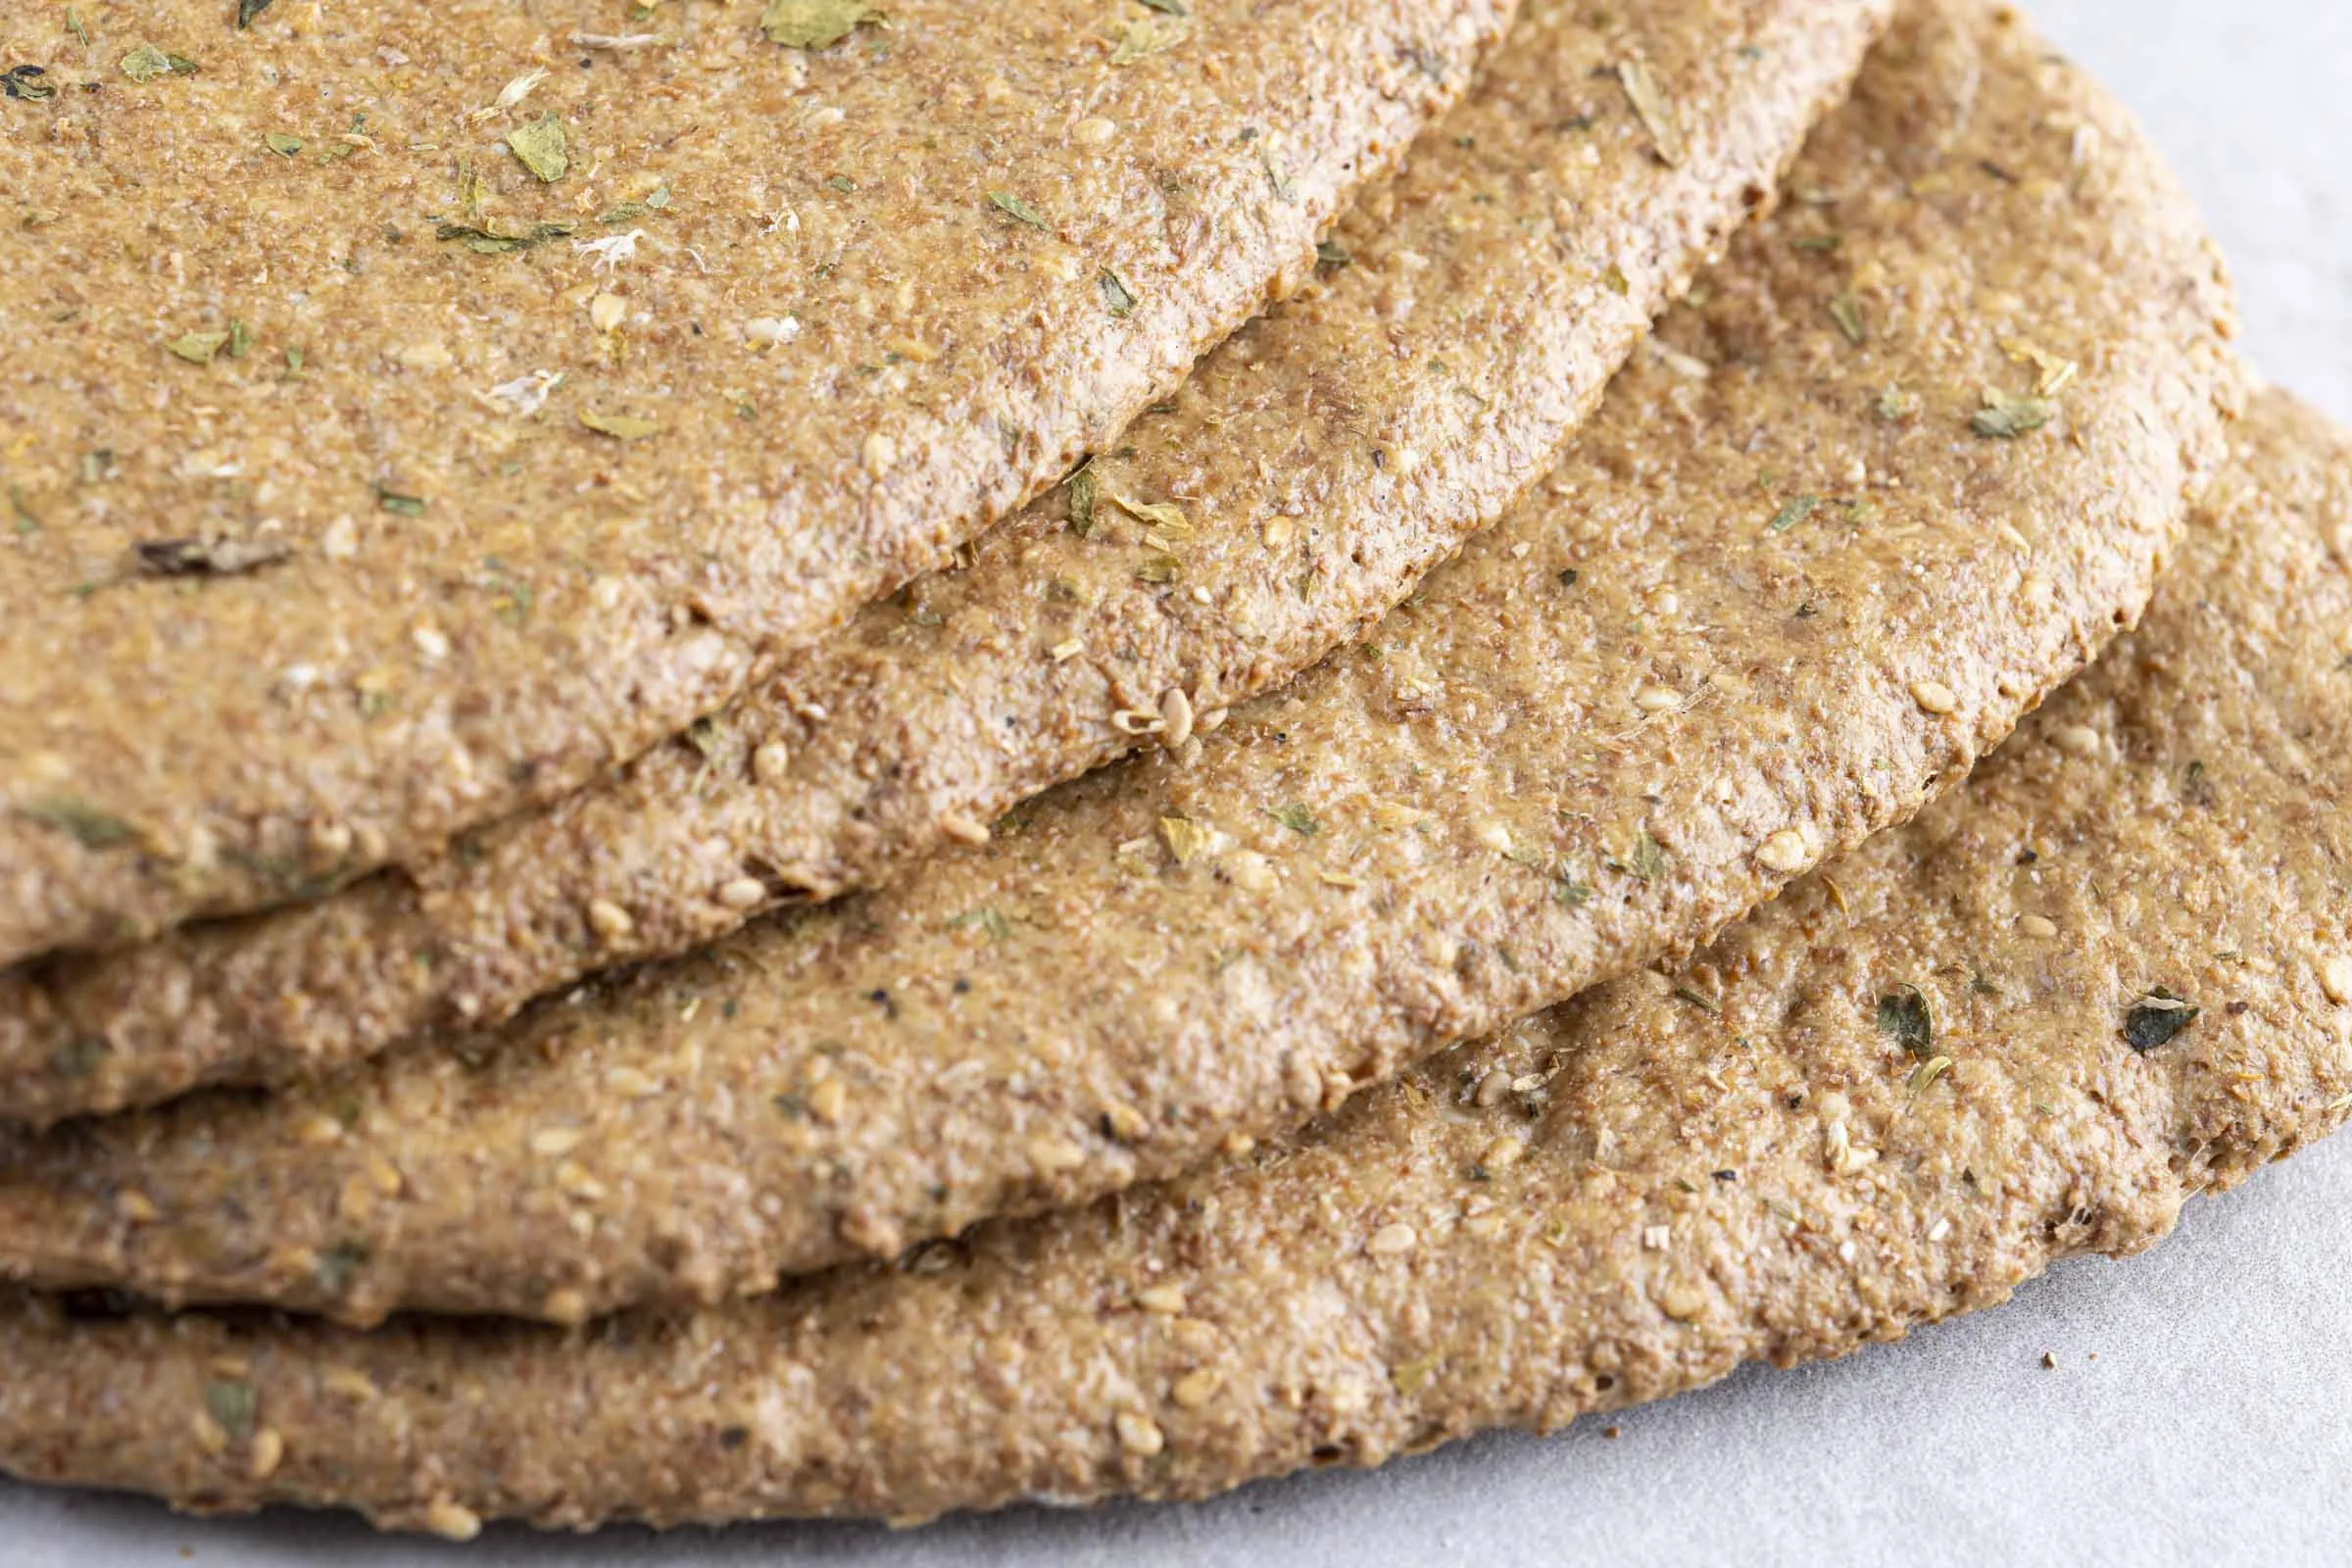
1784	583
1891	1096
314	563
1318	462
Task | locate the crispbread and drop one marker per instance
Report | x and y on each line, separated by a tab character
311	566
1320	462
1891	1096
1778	590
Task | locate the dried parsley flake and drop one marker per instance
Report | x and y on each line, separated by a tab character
90	827
1904	1017
1116	295
1006	201
814	23
146	63
27	82
231	1402
1297	818
541	148
2006	417
1085	491
247	10
2155	1018
198	348
279	142
493	241
1794	512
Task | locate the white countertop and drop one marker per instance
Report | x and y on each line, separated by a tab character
2212	1427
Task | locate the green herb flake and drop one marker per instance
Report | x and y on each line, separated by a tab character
79	1057
842	183
146	63
1143	38
2006	417
1820	243
492	241
279	142
240	338
29	83
2155	1018
404	506
1085	492
619	427
229	1402
1570	893
1166	8
1116	295
1847	311
1897	405
1904	1019
1652	107
814	23
90	827
1696	999
987	919
198	348
74	25
247	10
1165	516
27	519
1792	514
1332	253
340	1263
1006	201
207	557
541	148
1297	818
1649	859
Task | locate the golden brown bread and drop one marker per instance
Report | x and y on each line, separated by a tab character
1321	460
1785	584
313	563
2111	971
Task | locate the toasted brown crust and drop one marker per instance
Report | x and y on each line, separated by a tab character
1625	716
1620	1199
1348	443
239	667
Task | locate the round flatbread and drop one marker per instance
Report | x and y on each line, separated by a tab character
1311	472
428	410
1784	584
2111	971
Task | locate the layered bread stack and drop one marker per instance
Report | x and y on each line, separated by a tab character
861	762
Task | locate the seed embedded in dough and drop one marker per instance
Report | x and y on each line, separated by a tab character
1784	851
1139	1434
1093	132
2039	927
1391	1240
1197	1388
743	893
2335	979
451	1521
1175	717
770	763
1934	696
963	828
2075	740
608	919
1167	1300
1656	699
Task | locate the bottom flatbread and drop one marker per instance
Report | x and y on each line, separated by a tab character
2110	972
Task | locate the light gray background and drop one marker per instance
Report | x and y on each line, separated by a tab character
2212	1428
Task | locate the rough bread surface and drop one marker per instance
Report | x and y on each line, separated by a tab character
314	563
1785	584
1892	1096
1319	463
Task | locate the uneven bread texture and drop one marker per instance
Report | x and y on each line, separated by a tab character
1321	460
1628	715
1735	1159
288	602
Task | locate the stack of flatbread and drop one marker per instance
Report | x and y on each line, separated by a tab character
803	758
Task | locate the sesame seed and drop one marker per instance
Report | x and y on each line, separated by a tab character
1250	872
451	1521
607	312
564	1305
1093	132
1052	1155
963	828
2039	927
1392	1239
1064	652
1165	1300
828	1099
1495	836
2335	979
1784	851
744	893
879	454
269	1451
2075	740
1126	1123
553	1141
1237	1145
1656	1237
1656	699
430	640
136	1206
1941	1228
1502	1154
631	1084
608	919
1932	696
1494	1089
771	762
1139	1434
1682	1301
1197	1388
348	1383
1175	717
